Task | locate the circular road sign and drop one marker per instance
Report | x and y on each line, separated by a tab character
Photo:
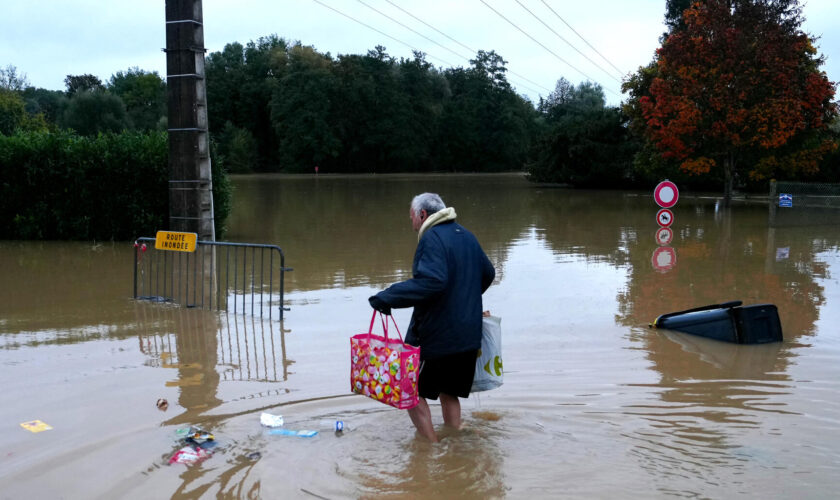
666	194
663	259
664	217
664	235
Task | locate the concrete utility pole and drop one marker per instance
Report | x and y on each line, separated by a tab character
190	178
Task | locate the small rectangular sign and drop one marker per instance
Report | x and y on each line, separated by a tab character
176	242
785	200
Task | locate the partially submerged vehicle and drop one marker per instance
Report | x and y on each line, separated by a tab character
729	321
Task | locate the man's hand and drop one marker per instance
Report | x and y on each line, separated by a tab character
379	305
486	314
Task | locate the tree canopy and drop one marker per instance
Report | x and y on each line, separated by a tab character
734	96
79	83
737	90
583	142
144	96
364	112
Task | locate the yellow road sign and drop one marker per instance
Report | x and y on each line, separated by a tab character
178	242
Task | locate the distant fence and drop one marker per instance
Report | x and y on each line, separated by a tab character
244	278
803	203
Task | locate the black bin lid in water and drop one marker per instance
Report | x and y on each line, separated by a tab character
754	324
714	324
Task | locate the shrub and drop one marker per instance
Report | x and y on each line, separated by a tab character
106	187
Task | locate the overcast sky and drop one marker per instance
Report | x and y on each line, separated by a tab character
49	39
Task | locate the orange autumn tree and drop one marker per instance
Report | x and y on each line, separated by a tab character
738	90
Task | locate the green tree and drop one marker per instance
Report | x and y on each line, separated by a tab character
240	84
301	111
12	112
369	118
264	67
485	125
89	113
423	90
144	96
11	80
584	143
51	103
238	148
13	115
225	78
79	83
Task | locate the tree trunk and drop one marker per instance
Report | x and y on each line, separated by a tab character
729	178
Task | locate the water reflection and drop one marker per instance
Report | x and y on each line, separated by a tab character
354	235
587	385
712	398
355	231
730	257
466	464
208	348
65	286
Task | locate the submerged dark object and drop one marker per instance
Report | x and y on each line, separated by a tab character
730	322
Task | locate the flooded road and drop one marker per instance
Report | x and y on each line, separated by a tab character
594	403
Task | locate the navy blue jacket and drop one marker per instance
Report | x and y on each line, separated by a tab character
450	273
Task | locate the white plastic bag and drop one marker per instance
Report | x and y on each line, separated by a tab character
488	365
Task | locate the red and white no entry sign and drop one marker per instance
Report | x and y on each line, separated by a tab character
664	217
664	235
663	259
666	194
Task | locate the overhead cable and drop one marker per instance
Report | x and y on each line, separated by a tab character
418	50
429	25
543	46
380	32
468	48
584	39
409	29
567	42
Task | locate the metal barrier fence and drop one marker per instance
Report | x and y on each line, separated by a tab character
803	203
222	276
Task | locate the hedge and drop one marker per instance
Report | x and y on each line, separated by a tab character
62	186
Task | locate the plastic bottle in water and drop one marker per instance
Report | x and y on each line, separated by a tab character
336	426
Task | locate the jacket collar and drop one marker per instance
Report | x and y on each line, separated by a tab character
445	215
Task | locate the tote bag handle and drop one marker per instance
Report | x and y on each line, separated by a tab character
384	318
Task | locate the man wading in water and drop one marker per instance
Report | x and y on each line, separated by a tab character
450	273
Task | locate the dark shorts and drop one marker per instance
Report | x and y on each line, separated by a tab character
452	375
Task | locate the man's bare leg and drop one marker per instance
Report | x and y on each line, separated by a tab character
421	417
451	409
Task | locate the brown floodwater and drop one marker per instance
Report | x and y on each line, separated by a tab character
594	403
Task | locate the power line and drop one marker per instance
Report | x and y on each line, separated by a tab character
418	50
409	29
430	26
567	42
468	48
380	32
546	48
584	39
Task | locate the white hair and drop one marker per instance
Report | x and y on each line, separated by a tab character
430	202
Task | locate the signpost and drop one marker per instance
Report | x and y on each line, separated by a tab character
664	217
666	194
175	241
785	200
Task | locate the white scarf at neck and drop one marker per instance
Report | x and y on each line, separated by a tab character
436	218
